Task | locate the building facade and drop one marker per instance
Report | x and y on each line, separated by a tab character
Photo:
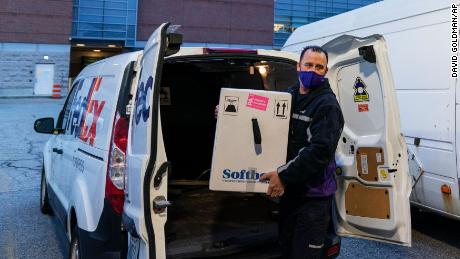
45	42
33	34
51	41
291	14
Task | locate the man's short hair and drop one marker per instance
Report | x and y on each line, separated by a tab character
314	48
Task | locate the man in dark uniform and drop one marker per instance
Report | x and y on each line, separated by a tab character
306	183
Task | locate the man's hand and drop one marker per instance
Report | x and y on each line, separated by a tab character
275	187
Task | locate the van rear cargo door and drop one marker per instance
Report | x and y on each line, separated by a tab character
145	208
372	175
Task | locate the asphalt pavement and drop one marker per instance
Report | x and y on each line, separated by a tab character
26	233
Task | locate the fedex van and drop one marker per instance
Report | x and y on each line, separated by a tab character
419	37
135	138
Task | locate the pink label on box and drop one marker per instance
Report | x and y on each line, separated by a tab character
257	102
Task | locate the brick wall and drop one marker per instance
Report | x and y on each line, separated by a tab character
35	21
213	21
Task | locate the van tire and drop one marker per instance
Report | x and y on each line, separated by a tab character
45	207
75	245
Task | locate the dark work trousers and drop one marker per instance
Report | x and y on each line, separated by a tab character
303	224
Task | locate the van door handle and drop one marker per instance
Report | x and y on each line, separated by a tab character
58	150
160	204
257	136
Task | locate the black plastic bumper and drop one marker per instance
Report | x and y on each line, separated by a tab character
108	236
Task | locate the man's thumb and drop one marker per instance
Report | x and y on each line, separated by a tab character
264	177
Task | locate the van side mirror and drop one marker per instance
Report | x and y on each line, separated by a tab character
44	125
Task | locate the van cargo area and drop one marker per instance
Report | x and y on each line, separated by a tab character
205	223
201	222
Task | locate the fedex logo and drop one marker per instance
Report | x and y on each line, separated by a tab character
80	127
142	106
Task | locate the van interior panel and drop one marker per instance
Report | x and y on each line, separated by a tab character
376	203
368	159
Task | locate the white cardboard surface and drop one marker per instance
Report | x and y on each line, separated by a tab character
236	166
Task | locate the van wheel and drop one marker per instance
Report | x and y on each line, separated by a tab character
74	249
45	207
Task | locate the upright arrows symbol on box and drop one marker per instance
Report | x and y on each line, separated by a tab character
283	106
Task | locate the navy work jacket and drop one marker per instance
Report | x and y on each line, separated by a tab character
314	131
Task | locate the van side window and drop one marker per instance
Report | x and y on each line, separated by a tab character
75	104
64	115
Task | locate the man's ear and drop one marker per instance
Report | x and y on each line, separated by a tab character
298	66
327	69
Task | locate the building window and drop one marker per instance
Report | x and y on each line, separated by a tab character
105	20
291	14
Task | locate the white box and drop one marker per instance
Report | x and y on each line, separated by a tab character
238	159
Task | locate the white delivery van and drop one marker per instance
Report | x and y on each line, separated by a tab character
138	129
418	45
83	161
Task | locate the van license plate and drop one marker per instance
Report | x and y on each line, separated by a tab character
133	247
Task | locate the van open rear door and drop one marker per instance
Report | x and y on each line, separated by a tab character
373	176
145	209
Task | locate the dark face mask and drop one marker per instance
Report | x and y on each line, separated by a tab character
310	79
